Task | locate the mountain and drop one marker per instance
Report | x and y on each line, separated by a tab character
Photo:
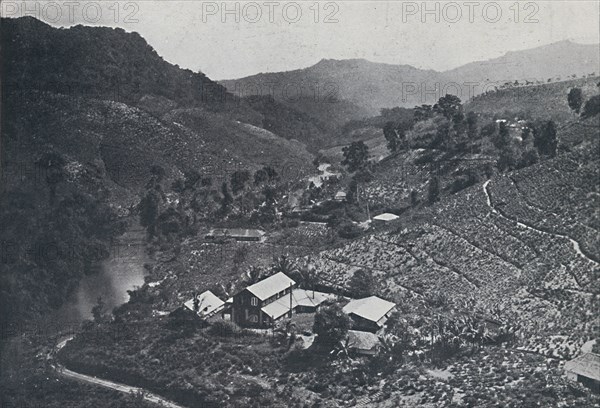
366	84
559	60
88	114
373	86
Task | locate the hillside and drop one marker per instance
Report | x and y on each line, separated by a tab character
547	101
558	60
525	242
373	86
79	151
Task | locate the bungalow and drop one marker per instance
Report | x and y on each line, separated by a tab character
248	305
369	314
237	233
362	343
384	218
585	369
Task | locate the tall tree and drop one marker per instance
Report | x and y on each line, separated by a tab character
331	326
592	107
433	191
227	199
239	178
355	156
546	140
363	283
448	105
575	99
394	135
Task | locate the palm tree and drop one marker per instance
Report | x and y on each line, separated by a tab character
307	275
284	264
254	274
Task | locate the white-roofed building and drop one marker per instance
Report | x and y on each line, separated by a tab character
385	218
302	301
238	234
205	305
585	369
369	314
340	196
248	304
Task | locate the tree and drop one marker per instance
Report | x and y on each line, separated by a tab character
239	179
449	106
355	156
227	198
254	274
433	190
99	310
363	283
591	108
331	326
502	140
423	112
546	139
575	99
472	125
284	264
149	207
394	135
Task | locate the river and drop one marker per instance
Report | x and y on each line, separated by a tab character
123	270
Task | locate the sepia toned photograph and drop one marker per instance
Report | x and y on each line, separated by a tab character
298	204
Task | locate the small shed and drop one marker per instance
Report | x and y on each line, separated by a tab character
238	234
384	218
340	196
363	343
369	314
205	305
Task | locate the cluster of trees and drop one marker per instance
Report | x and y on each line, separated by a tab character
576	99
198	199
54	232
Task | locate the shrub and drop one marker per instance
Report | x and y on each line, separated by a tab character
223	328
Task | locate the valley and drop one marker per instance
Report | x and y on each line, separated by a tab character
170	240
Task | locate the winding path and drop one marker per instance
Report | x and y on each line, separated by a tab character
574	243
148	396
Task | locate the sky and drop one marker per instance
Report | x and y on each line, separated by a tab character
231	39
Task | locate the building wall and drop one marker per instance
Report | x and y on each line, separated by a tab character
243	309
246	310
362	324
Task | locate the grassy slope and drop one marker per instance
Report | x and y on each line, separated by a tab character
548	101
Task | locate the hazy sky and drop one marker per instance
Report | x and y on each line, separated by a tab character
266	36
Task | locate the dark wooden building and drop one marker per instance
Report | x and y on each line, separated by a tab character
248	305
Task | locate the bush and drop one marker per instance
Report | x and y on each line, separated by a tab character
591	108
223	328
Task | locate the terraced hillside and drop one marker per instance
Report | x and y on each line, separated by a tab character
525	242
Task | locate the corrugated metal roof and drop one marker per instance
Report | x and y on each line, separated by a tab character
271	286
371	308
209	303
300	297
235	233
587	365
386	217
